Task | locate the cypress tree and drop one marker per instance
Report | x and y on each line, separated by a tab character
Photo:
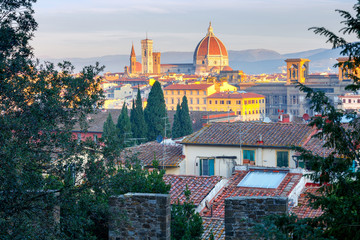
124	125
138	125
177	128
186	124
155	112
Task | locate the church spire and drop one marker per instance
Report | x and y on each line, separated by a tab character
132	54
210	29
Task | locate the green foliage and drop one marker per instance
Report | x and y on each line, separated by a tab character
155	113
339	197
186	224
138	125
185	118
124	126
177	128
182	125
42	167
132	178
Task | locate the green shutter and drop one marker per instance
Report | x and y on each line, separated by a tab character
282	159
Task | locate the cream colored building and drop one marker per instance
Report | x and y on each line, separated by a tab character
217	148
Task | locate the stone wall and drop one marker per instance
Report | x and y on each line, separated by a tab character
140	216
242	213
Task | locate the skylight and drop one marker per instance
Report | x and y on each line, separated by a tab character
259	179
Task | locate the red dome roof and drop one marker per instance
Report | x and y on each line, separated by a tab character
227	68
210	45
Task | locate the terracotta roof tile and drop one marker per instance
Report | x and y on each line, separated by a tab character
303	210
216	225
199	186
188	87
146	152
235	95
273	134
232	190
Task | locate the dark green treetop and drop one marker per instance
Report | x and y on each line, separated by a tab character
185	118
138	125
124	126
155	113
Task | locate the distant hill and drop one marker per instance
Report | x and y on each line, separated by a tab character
251	61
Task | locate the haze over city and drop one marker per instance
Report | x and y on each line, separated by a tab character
107	27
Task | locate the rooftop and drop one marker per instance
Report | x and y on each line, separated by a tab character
169	155
233	190
272	134
199	186
303	210
235	95
188	87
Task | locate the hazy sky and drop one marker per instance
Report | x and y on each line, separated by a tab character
90	28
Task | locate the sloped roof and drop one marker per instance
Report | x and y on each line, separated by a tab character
96	121
315	145
202	86
199	186
272	134
235	95
303	210
216	225
232	190
167	155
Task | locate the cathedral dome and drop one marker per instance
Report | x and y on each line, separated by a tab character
210	52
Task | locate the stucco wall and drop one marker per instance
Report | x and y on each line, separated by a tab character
223	166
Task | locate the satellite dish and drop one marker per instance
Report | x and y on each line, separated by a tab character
267	120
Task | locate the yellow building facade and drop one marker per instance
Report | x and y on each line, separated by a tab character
249	106
196	94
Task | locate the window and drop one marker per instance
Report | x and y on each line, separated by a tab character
191	101
178	100
204	92
178	92
209	101
95	138
221	101
228	102
252	101
172	101
282	158
172	92
215	101
207	167
260	179
249	155
204	99
197	92
349	100
190	92
198	101
238	102
245	102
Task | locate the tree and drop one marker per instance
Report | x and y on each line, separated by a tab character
177	128
182	123
111	140
186	224
185	118
124	126
138	124
42	166
155	113
339	196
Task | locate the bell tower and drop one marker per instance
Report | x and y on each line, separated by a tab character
147	55
297	70
132	61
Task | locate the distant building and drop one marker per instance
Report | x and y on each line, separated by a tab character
210	56
249	106
349	102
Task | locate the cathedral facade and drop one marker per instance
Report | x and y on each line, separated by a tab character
210	56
